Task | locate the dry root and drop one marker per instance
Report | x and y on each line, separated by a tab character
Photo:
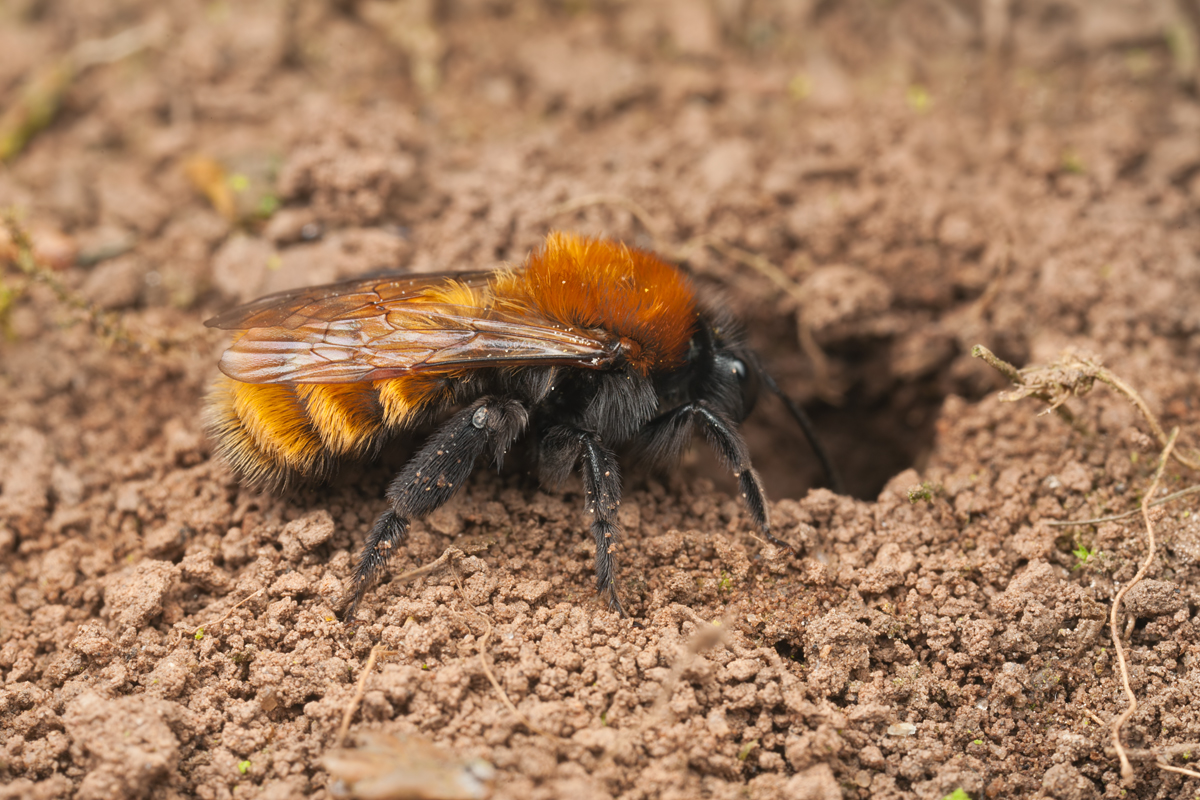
1073	376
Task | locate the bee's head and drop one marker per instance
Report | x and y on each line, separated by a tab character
725	372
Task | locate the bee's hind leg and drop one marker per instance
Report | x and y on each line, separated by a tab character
432	476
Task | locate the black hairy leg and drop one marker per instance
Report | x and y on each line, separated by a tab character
562	447
667	435
432	477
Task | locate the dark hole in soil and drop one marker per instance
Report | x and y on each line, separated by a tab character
883	423
870	438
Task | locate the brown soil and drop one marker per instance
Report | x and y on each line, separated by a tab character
930	174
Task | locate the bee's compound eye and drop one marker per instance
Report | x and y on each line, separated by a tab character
746	373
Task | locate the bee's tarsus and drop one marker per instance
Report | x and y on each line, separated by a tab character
614	602
775	540
389	532
602	490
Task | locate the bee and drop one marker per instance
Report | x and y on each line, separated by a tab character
588	346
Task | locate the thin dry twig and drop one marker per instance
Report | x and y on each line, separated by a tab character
707	635
983	303
1018	378
1185	749
33	269
823	379
1156	755
756	262
1096	520
648	222
202	627
1191	773
40	99
448	555
1114	618
1121	386
1072	376
131	41
105	326
822	372
236	606
999	364
360	689
487	668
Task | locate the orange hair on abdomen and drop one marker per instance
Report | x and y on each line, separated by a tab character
275	435
263	432
596	283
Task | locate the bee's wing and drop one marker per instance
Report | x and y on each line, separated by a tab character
335	301
373	330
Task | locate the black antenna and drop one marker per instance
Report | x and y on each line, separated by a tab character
810	433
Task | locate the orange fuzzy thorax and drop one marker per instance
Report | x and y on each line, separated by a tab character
598	283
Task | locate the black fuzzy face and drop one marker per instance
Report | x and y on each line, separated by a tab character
719	370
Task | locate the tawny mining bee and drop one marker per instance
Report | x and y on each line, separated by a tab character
588	345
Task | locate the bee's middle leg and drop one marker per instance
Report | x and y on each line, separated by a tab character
563	446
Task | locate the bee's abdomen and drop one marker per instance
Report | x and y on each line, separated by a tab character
275	435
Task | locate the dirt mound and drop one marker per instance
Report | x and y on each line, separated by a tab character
875	188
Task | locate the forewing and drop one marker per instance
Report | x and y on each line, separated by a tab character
367	331
358	298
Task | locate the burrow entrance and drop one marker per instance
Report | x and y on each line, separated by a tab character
882	424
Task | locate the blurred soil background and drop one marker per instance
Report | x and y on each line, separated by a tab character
875	187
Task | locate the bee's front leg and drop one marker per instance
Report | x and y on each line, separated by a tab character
665	437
